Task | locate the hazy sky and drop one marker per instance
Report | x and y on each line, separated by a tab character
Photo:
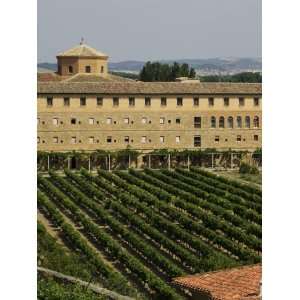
151	29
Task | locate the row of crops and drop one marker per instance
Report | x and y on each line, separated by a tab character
143	228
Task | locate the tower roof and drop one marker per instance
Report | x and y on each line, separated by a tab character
82	50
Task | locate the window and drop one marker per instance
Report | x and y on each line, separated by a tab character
143	139
217	139
230	122
247	122
55	121
147	101
239	122
196	101
91	140
213	122
178	120
102	69
221	122
197	141
256	122
99	101
91	121
66	101
108	120
126	139
255	137
38	121
82	101
144	120
238	138
115	101
73	140
55	140
197	122
163	101
49	101
87	69
241	101
226	101
126	120
161	120
177	139
131	101
109	139
162	139
256	101
38	140
73	121
179	101
211	101
169	121
70	69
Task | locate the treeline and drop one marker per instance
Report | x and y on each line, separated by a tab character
249	77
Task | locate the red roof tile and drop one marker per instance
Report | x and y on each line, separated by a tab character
242	283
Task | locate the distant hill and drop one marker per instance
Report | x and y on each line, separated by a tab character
210	66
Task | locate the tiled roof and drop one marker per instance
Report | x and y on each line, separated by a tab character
83	77
242	283
82	50
145	88
49	76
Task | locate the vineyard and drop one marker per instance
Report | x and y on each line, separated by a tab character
140	229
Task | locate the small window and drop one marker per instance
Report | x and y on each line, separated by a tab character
144	120
131	101
178	120
82	101
126	139
179	101
55	140
230	122
221	122
163	101
126	120
147	101
91	121
197	141
213	122
177	139
38	139
143	139
239	138
49	101
162	139
70	69
109	139
102	69
115	101
161	120
196	101
211	101
73	140
217	138
247	122
87	69
55	121
226	101
66	101
91	140
241	101
99	101
256	101
169	121
239	122
108	120
197	122
255	137
256	122
73	121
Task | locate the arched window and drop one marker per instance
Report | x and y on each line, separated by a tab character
221	122
230	122
213	122
256	122
239	122
70	69
247	122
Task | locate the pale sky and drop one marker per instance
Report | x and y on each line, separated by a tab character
151	29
